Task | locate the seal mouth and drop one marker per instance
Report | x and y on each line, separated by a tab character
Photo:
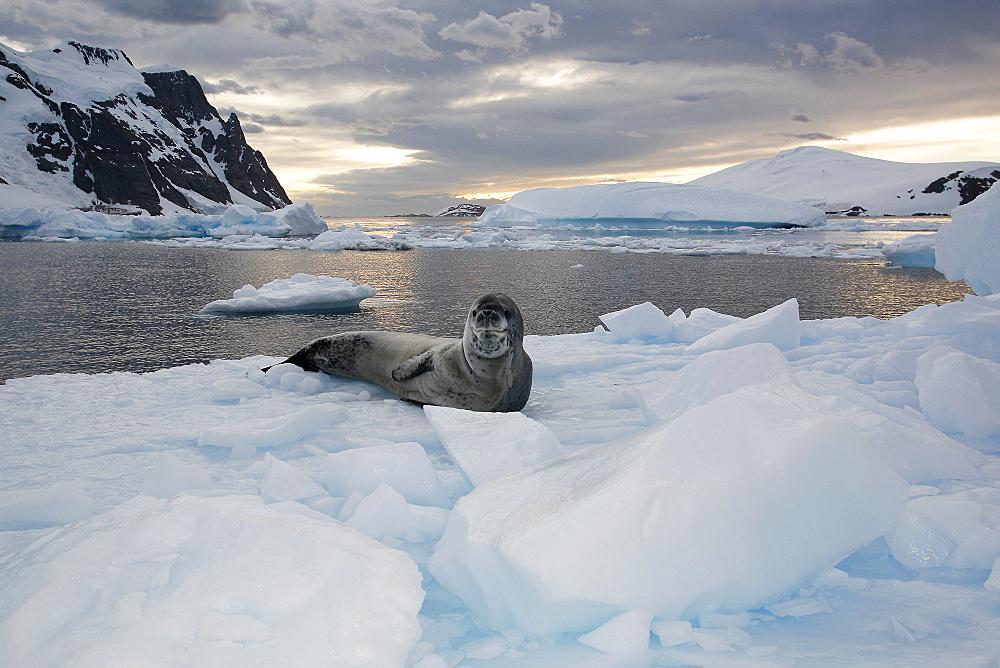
490	331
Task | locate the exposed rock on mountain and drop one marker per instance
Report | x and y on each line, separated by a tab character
462	210
80	126
852	185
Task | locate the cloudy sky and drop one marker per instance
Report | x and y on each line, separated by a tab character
367	108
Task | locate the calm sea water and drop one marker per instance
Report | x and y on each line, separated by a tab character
108	306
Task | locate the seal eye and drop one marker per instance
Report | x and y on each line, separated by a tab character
506	313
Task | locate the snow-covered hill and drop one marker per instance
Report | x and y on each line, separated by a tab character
839	182
80	126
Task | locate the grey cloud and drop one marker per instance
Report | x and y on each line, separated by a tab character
510	32
179	12
801	118
813	136
360	26
850	56
251	128
228	86
274	120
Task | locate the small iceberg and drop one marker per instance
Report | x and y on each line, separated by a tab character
301	292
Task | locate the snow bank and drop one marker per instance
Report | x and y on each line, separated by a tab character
678	519
293	220
208	581
651	203
968	247
301	292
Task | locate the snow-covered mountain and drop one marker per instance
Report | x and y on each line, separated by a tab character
462	210
81	126
839	182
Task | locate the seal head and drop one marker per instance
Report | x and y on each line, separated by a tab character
494	326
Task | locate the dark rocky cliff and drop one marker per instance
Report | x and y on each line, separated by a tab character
141	149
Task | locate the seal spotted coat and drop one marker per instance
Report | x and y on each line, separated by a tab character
485	370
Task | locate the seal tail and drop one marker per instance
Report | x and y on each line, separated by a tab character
299	359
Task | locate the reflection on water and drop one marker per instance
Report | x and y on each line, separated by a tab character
118	306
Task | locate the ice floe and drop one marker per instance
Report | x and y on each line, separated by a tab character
301	292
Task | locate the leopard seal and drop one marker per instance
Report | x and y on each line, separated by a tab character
485	370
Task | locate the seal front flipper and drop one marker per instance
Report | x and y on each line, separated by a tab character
414	366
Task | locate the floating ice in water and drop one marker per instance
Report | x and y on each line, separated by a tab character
491	445
293	220
968	247
913	251
678	519
301	292
208	581
351	238
404	467
663	203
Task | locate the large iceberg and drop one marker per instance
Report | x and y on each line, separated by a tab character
648	204
968	248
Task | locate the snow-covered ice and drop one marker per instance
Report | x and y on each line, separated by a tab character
968	248
301	292
345	237
917	250
485	446
665	203
679	519
675	502
198	580
679	488
28	222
